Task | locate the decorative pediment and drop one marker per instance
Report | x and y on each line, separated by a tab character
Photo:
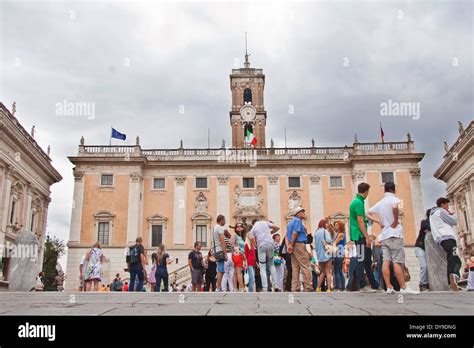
339	215
103	214
157	218
205	217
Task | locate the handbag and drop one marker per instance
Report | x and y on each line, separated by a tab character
406	273
277	260
219	255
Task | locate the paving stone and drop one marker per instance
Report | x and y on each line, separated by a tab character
53	303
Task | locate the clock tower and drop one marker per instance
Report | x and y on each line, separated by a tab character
248	111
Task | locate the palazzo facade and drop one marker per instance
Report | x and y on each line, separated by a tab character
26	175
173	196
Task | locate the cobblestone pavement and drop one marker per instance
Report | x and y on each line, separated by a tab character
185	303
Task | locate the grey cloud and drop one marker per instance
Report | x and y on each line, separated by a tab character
182	54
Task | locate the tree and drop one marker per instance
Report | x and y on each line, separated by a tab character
54	248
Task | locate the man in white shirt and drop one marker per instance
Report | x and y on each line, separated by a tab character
219	249
261	234
387	210
442	223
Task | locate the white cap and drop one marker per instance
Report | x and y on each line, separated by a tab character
297	210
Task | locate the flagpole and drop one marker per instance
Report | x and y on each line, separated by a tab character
209	138
382	135
110	139
285	138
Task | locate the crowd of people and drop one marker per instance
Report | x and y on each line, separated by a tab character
259	257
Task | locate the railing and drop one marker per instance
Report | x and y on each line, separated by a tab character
383	147
179	274
181	154
108	149
245	71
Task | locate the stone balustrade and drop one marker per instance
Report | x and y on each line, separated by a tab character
180	154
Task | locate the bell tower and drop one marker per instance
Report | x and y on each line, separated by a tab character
248	109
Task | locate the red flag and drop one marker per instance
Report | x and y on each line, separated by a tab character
382	134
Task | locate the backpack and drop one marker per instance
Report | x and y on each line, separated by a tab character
133	256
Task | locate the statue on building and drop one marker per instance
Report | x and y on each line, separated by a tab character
13	108
137	140
446	147
294	201
408	136
271	143
33	131
201	203
461	127
223	143
312	142
356	138
49	150
82	141
181	144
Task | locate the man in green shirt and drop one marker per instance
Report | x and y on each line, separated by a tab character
358	229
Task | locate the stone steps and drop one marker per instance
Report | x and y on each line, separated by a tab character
411	261
4	285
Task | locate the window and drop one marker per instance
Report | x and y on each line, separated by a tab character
103	233
107	180
201	182
387	177
248	182
159	183
32	227
201	234
156	235
247	96
335	181
466	220
13	212
294	181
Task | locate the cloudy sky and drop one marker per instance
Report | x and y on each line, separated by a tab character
140	62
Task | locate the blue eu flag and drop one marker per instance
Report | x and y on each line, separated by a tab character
118	135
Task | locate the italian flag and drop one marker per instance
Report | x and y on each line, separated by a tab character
251	138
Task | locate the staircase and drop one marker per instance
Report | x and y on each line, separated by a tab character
3	284
180	276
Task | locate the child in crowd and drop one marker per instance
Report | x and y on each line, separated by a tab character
238	260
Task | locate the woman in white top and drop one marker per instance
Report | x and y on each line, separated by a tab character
93	267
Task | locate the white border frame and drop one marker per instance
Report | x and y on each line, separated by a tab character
295	187
343	187
106	186
153	183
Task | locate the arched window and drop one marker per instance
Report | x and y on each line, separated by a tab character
247	96
104	227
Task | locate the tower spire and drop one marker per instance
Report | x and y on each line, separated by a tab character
247	63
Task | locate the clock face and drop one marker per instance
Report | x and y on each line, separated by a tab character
248	113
